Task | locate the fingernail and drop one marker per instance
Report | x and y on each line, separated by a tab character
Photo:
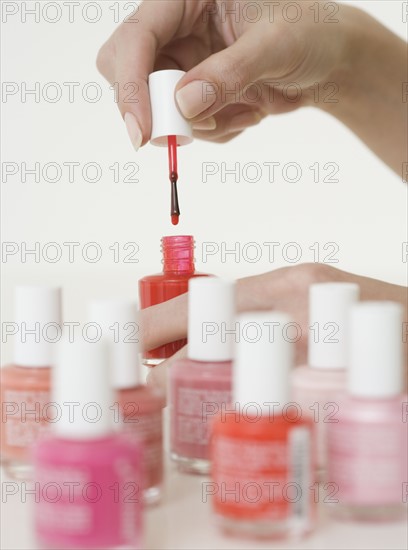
196	97
242	121
133	130
207	124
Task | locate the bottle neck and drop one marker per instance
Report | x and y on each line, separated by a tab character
178	254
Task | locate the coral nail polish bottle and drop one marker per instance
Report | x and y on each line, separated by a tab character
88	477
367	447
317	386
261	448
138	408
25	385
178	269
201	384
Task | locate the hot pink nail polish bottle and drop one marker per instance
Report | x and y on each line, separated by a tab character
367	448
261	448
201	384
138	408
25	385
88	478
178	269
316	387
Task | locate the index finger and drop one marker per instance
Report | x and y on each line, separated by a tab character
128	57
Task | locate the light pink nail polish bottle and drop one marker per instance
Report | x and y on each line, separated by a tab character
88	478
25	385
367	448
201	384
317	386
138	409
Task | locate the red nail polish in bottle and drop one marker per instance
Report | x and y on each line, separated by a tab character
178	269
261	449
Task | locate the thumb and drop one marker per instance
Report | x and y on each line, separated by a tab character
223	78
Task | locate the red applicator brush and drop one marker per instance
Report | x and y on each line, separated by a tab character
173	176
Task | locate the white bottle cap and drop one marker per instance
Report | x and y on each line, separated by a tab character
119	325
211	311
329	323
82	389
376	359
38	318
166	117
264	358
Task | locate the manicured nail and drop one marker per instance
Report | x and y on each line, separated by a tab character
207	124
133	130
242	121
196	97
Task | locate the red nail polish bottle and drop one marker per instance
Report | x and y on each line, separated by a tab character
178	269
261	449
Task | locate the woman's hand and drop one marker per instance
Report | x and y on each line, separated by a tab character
285	289
243	60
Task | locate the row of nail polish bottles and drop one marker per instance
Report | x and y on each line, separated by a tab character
26	402
88	479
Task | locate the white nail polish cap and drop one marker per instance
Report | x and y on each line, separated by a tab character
82	388
211	311
376	358
166	117
118	321
263	359
38	323
329	324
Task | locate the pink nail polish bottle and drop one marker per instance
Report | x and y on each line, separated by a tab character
25	385
138	408
261	447
317	386
201	384
367	447
88	478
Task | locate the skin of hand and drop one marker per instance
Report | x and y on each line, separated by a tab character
285	289
244	63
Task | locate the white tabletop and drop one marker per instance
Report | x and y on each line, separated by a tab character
182	520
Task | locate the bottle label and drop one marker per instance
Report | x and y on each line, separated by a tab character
269	481
29	418
367	462
191	426
148	429
81	507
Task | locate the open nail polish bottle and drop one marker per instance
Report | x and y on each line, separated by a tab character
261	447
317	386
178	269
201	384
88	479
25	385
367	447
138	409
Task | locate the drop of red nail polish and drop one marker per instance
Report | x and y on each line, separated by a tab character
174	219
